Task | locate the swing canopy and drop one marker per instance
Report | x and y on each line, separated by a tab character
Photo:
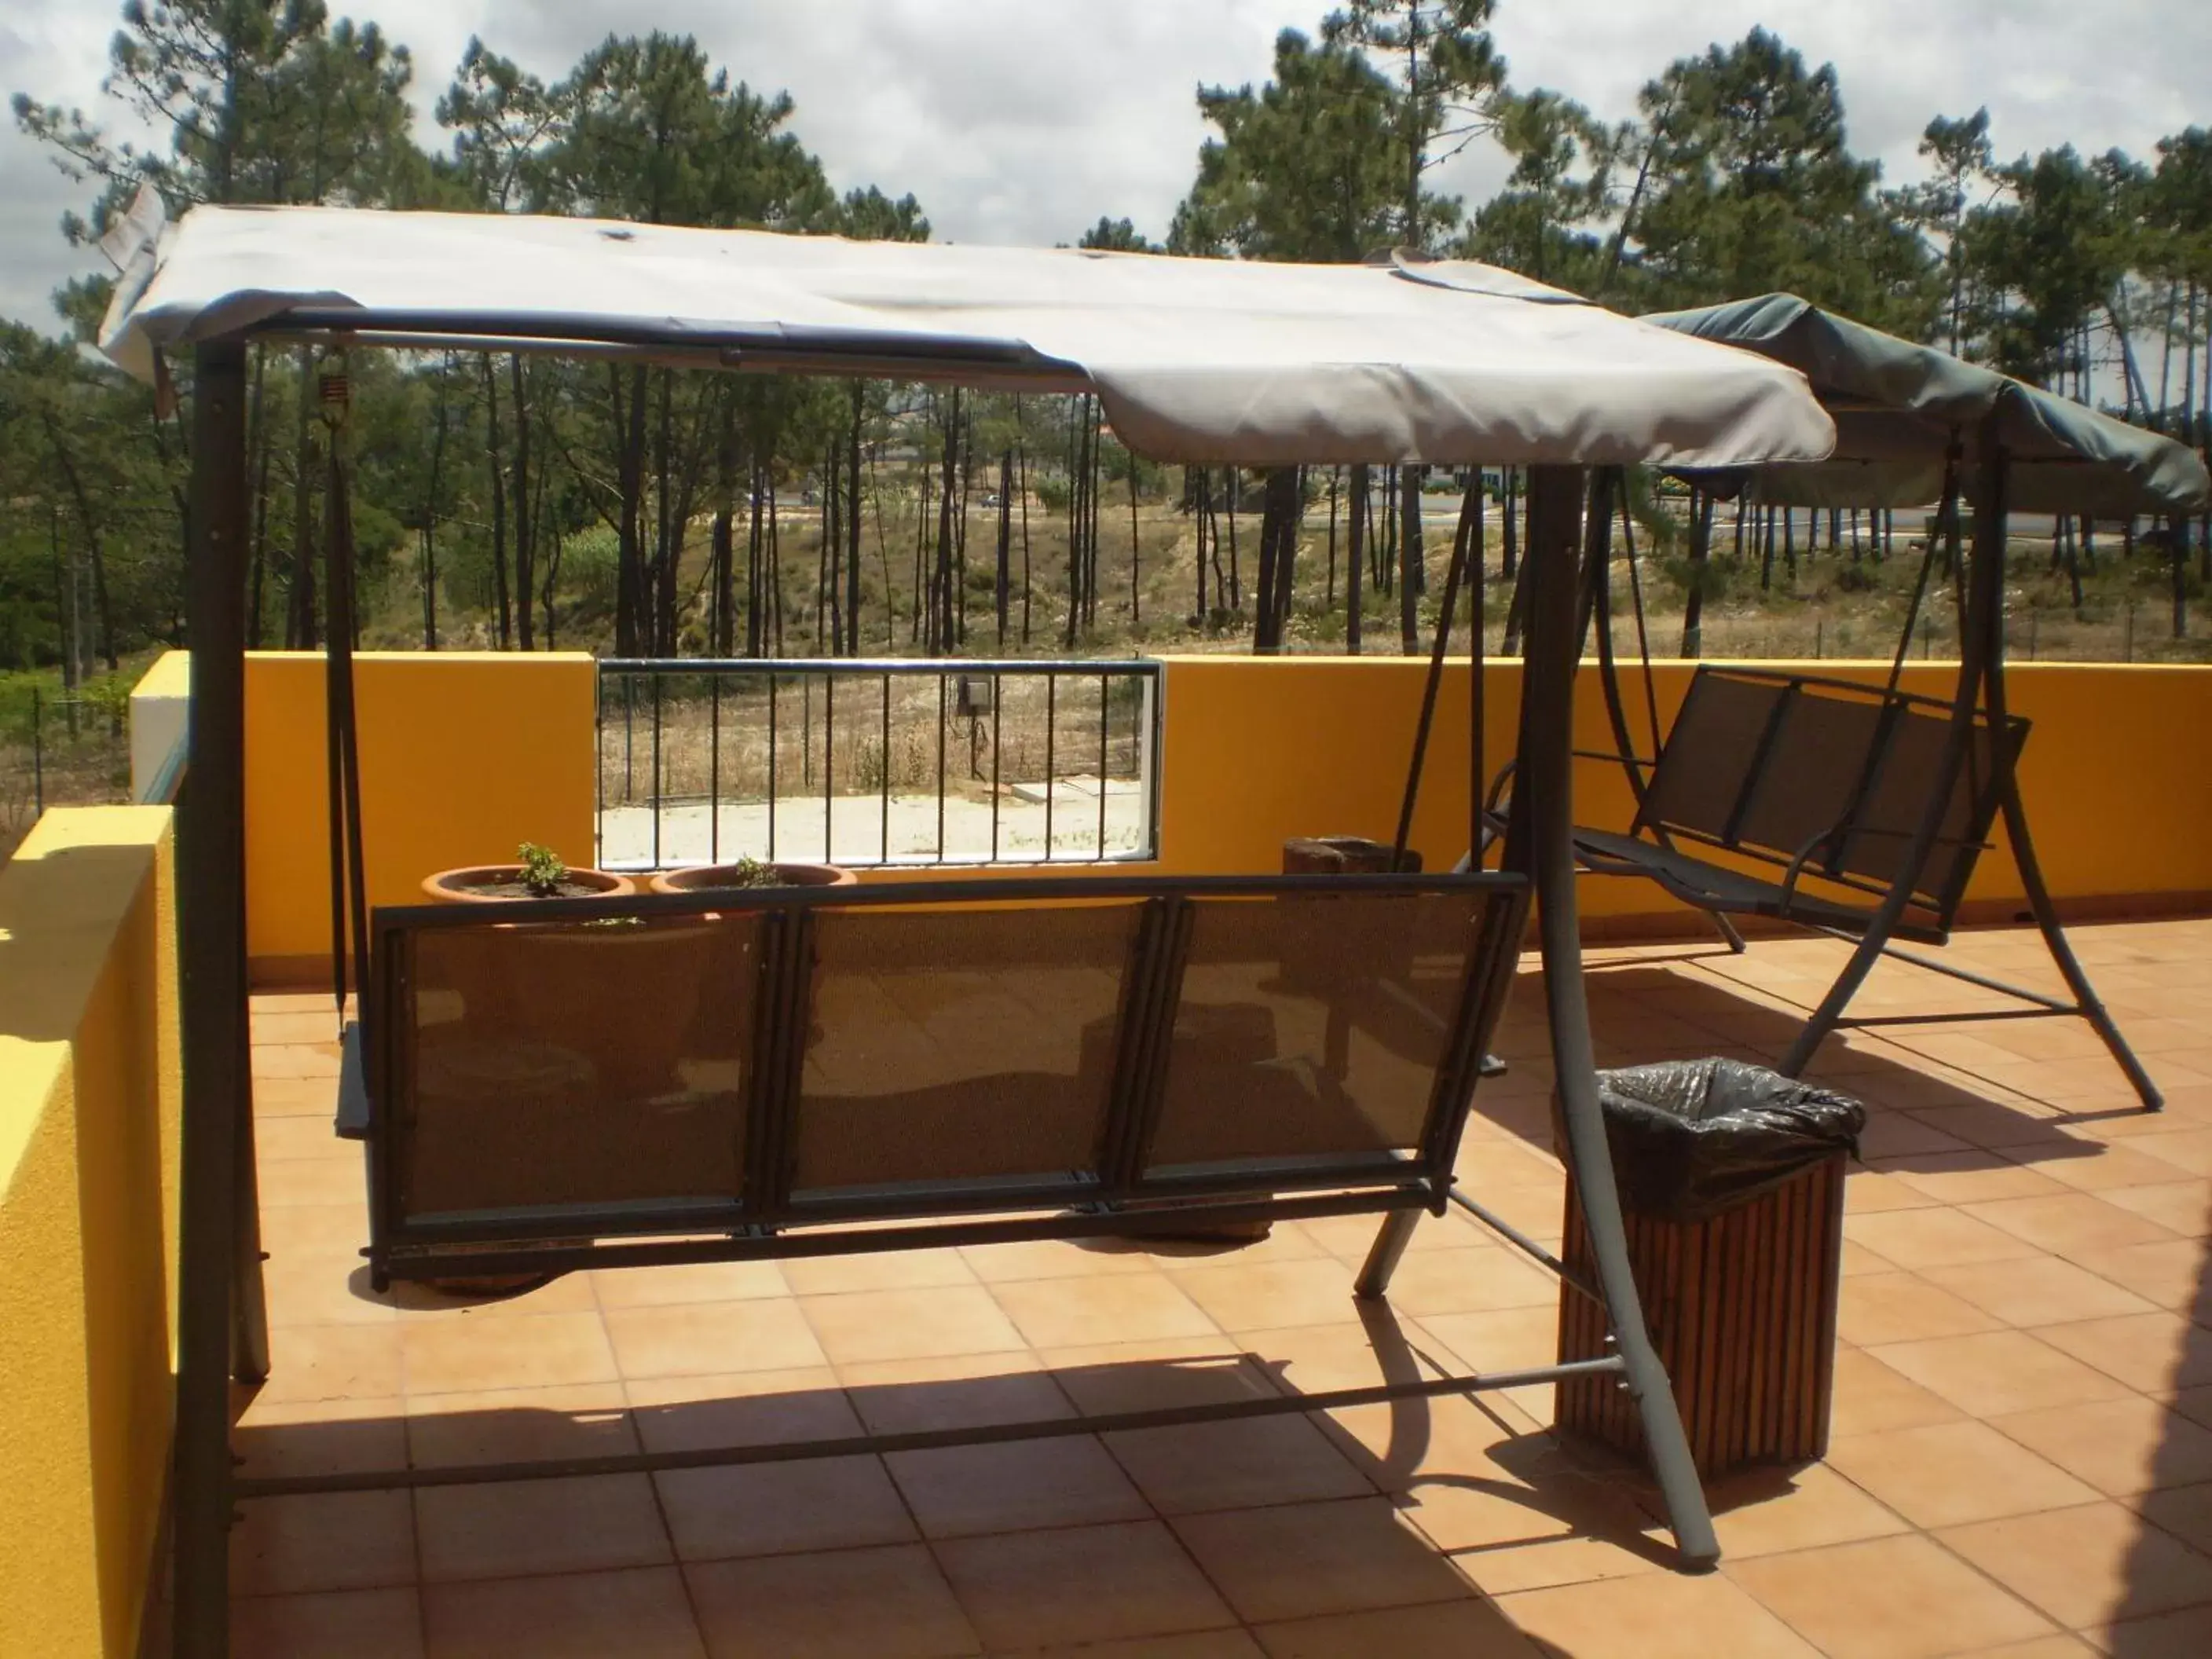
1898	407
1196	360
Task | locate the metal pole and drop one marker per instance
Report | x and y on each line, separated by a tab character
210	883
1539	843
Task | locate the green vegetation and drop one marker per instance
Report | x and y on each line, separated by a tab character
543	871
526	503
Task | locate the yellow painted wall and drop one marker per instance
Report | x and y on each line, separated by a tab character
464	755
1256	749
90	1094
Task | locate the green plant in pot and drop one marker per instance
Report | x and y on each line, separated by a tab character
749	873
538	873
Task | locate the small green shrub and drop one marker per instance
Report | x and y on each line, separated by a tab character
542	870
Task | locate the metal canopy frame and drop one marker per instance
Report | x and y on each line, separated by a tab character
221	1330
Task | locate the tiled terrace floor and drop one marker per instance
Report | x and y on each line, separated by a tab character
2022	1460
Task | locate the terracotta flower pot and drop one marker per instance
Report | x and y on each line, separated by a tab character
714	878
479	884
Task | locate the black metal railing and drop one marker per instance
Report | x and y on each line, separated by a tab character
877	762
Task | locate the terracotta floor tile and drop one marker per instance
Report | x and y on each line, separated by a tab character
2156	1353
1082	1584
642	1613
1991	1123
2038	1647
1950	1474
277	1138
855	1604
2183	1207
315	1228
1285	1240
2184	1635
781	1509
1890	1136
1299	1560
566	1293
2110	1168
900	1396
1264	1296
2088	1566
1194	1644
274	1025
466	1354
1658	1615
1235	1465
2191	1150
1478	1280
299	1060
2120	1446
1870	1397
1349	1237
2184	1511
1938	1238
698	1281
295	1097
2194	1404
322	1541
2037	1290
1972	1176
1890	1598
1117	1308
1996	1372
323	1287
1766	1511
2069	1227
1507	1340
1439	1630
320	1436
526	1528
1879	1308
333	1362
739	1408
327	1180
886	1270
961	1491
2174	1273
1873	1192
503	1426
701	1338
1135	1376
1383	1347
376	1624
1532	1529
922	1324
1052	1258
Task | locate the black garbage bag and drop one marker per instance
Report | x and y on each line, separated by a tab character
1694	1138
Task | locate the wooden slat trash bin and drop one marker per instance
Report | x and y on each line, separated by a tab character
1739	1278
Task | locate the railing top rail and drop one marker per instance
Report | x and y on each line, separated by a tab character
1093	666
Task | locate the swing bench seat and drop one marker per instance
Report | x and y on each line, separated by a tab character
1818	780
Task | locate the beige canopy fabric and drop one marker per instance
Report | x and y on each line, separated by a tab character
1196	360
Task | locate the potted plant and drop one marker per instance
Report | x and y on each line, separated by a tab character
751	873
538	874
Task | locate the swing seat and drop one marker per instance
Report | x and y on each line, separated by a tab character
1817	780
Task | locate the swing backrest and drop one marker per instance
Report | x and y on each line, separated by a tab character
1771	764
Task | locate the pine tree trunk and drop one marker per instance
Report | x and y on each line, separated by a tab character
1702	504
1512	550
1355	559
1328	594
255	620
629	476
498	481
430	520
1136	550
300	598
1409	559
853	528
526	552
1021	490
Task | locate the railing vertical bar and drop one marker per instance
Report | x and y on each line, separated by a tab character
1051	731
1105	702
828	766
940	765
656	771
771	766
995	766
885	783
714	768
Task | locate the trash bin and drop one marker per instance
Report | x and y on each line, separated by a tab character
1731	1182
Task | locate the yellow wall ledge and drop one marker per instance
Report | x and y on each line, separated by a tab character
89	1092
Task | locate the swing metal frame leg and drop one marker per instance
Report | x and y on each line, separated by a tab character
1539	841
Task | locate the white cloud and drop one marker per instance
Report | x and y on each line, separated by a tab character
1024	120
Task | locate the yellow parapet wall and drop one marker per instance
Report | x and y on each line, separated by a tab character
464	755
1257	749
89	1092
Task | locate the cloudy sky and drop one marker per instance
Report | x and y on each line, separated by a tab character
1024	120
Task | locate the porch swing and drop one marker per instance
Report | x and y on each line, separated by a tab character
1882	799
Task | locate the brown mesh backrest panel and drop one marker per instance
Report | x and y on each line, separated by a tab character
960	1047
571	1063
1709	755
1812	773
1310	1027
1891	815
